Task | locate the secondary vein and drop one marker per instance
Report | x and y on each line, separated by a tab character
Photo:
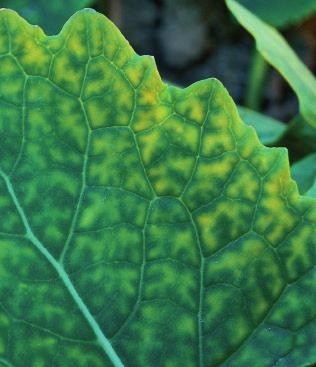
101	338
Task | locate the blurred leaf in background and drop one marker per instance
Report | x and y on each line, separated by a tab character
312	191
299	138
281	13
268	129
304	173
275	49
49	15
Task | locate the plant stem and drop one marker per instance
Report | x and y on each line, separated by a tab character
256	79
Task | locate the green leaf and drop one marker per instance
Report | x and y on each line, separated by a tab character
141	224
299	138
312	191
50	15
268	129
281	13
304	172
274	48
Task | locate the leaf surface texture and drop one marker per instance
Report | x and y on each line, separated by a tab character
141	224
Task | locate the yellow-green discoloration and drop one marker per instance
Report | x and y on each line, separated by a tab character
140	214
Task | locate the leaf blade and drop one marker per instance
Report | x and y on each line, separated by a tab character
269	130
312	191
177	218
304	172
278	53
283	13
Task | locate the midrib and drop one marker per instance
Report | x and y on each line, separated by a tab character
101	338
5	362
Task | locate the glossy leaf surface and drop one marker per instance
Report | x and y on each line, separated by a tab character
141	224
